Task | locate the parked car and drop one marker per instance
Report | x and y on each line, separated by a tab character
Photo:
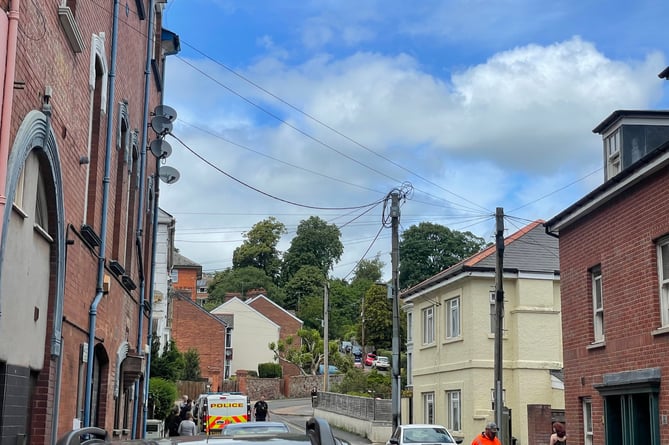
332	369
369	358
381	363
421	434
357	362
246	428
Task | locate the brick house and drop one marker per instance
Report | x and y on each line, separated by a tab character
195	328
289	325
451	341
186	275
614	257
76	213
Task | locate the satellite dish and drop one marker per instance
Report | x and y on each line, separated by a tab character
169	175
165	111
161	125
160	148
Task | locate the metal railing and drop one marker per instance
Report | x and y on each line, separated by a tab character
364	408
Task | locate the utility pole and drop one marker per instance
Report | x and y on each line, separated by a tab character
326	351
499	314
396	380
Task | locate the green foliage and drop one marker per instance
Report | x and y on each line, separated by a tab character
191	365
316	243
162	393
378	317
369	270
307	282
170	365
361	383
259	249
345	301
269	370
428	248
239	281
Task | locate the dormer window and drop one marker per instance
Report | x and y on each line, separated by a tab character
628	136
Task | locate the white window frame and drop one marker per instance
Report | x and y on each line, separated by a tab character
587	421
409	368
428	325
454	410
612	145
174	276
663	276
409	327
453	324
597	304
428	407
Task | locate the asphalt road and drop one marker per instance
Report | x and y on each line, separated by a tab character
295	413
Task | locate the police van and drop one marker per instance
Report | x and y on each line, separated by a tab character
219	409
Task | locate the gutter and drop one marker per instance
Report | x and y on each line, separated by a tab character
103	225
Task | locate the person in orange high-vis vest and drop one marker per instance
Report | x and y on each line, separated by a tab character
488	437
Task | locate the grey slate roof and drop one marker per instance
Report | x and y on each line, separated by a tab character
183	262
530	249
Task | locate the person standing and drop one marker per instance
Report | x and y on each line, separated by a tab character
187	427
559	436
488	437
261	410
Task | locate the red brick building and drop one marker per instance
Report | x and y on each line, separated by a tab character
614	263
77	200
195	328
185	275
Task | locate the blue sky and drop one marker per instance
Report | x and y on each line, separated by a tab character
478	104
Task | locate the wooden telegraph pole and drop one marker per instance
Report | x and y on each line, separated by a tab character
396	381
499	312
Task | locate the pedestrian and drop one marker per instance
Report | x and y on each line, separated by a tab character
186	409
559	436
187	427
173	421
488	437
314	396
261	410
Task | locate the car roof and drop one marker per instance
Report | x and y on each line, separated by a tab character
422	425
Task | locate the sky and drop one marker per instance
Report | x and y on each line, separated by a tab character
299	108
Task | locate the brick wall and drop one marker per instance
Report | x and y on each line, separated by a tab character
195	328
187	282
619	237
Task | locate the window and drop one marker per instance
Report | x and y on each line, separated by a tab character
174	276
612	147
663	274
597	304
587	422
409	327
428	407
409	369
428	325
453	318
453	409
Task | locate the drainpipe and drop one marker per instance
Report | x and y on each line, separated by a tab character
99	292
8	92
149	338
140	217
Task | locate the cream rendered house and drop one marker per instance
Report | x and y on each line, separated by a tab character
451	340
253	332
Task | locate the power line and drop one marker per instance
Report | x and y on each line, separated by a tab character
239	181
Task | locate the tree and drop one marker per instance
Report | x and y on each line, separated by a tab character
240	281
310	355
170	364
316	243
378	317
191	365
307	282
162	394
428	248
259	249
369	270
